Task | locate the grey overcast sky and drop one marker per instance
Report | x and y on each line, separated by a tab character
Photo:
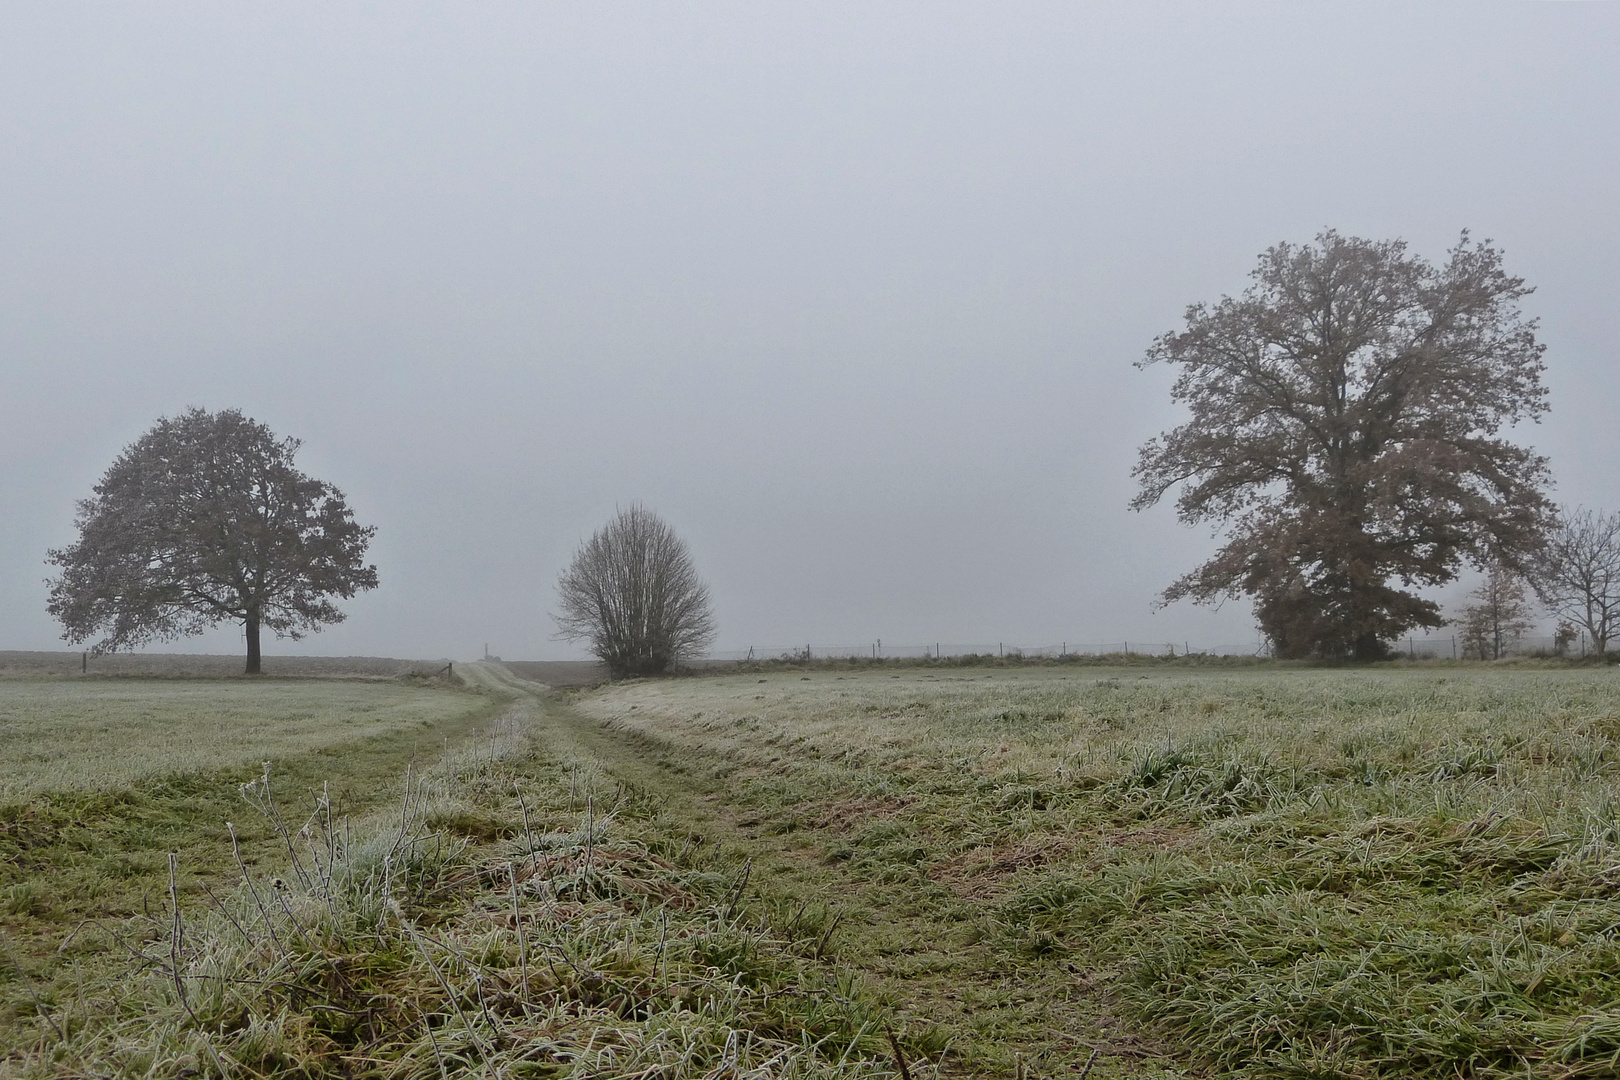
849	293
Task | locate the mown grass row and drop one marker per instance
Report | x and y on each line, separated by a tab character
1347	875
504	918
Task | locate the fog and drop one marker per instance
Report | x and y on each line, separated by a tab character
850	294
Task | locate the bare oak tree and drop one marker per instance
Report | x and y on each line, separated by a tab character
634	594
1346	425
204	519
1578	574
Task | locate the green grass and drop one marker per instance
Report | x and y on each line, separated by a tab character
208	666
102	735
500	912
1145	871
1260	872
126	771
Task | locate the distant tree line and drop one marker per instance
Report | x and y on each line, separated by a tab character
1346	432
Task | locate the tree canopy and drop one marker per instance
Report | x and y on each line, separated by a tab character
633	592
202	520
1347	435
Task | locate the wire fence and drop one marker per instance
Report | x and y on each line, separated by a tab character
1415	647
881	650
1456	647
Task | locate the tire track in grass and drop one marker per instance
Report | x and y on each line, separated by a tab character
917	944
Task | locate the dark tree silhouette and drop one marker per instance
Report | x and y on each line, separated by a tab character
204	519
1345	432
634	594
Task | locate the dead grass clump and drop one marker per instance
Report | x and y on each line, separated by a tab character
982	873
850	814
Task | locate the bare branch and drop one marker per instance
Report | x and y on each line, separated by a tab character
633	592
1578	573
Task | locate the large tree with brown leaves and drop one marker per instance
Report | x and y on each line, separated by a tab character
1348	414
202	520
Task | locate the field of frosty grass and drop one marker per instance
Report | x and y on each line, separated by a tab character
79	735
1407	870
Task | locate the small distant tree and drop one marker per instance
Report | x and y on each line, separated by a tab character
1578	574
634	594
203	520
1500	614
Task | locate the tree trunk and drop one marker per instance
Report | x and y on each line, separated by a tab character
251	624
1369	647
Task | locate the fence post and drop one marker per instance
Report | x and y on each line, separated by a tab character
84	661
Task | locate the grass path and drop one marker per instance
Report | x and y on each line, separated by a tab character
917	943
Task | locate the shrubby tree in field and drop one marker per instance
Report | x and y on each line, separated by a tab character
203	520
1578	574
1499	615
633	592
1346	433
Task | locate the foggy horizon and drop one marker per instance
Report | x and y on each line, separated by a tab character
849	296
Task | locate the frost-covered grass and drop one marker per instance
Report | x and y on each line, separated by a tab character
502	915
103	734
1352	872
105	778
1390	872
